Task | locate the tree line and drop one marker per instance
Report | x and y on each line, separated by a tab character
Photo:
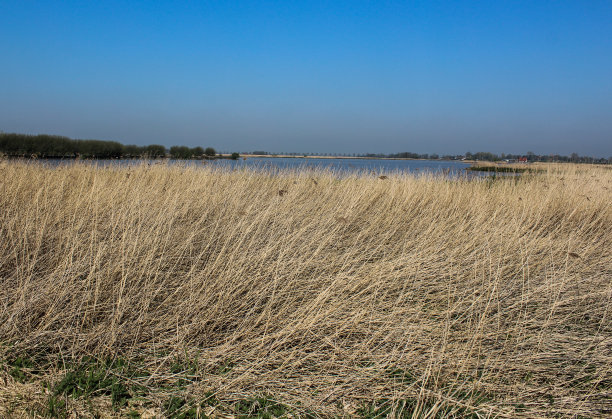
55	146
487	156
480	155
532	157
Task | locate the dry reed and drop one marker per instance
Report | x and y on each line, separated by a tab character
491	296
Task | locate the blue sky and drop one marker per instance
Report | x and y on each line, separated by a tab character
313	76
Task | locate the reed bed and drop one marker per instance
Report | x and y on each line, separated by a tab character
353	295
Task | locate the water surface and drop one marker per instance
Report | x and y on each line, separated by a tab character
347	165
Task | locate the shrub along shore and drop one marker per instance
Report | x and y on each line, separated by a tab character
184	292
58	147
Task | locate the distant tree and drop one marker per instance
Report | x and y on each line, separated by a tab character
96	149
482	155
131	151
197	152
402	155
155	150
180	152
210	152
235	156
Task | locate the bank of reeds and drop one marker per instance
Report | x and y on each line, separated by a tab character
325	295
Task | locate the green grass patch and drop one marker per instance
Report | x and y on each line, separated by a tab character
260	407
180	408
22	369
89	379
23	366
92	378
56	407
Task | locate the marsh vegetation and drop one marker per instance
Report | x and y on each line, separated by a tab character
168	290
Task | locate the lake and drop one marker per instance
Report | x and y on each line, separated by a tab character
350	165
345	165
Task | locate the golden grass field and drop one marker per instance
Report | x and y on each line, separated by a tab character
156	291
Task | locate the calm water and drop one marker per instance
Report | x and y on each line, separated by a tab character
351	165
271	163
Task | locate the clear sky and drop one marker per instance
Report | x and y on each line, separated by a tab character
313	76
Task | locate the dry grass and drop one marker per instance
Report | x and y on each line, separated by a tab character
490	297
